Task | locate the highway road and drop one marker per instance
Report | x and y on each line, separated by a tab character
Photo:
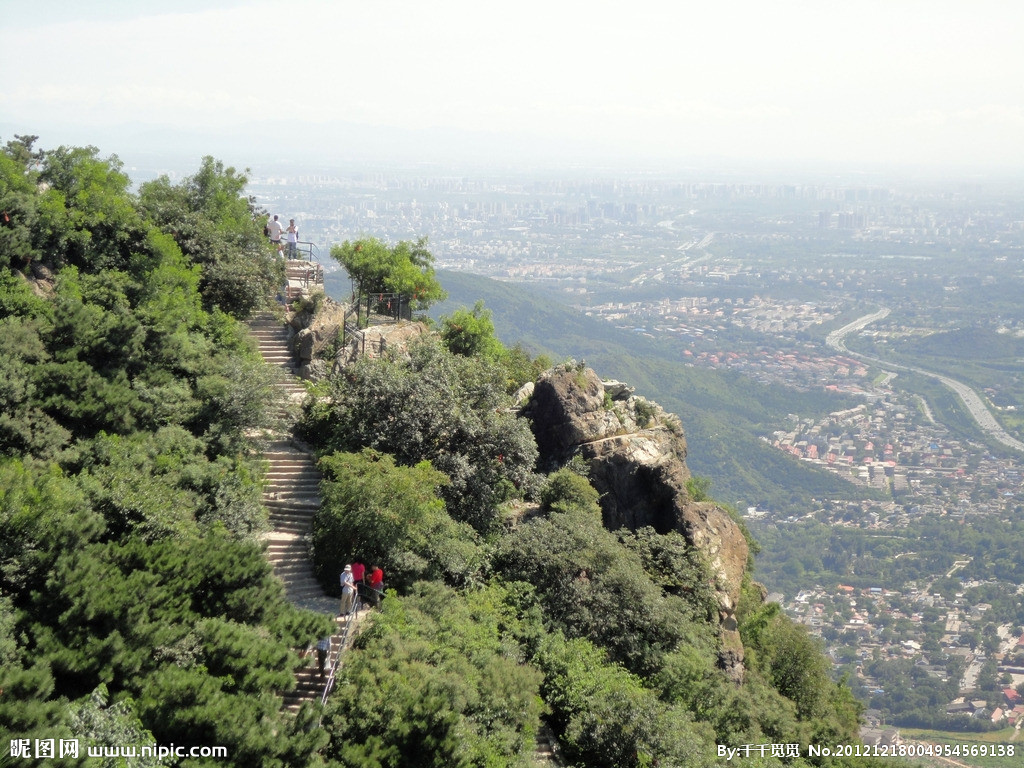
974	404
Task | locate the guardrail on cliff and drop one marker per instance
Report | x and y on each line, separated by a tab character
374	309
303	271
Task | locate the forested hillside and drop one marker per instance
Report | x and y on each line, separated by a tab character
723	413
136	604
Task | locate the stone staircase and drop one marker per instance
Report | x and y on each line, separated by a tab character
292	496
547	753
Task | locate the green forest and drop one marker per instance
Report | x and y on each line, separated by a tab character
723	413
137	606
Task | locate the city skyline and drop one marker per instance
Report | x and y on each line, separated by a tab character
923	84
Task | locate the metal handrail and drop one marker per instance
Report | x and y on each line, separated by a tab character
308	249
357	605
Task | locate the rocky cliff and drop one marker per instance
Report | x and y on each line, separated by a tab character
637	458
636	453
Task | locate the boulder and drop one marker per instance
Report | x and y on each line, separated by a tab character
523	395
617	390
567	410
304	342
641	473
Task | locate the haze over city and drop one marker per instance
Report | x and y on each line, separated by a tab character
870	86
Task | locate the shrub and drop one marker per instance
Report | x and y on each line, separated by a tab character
380	513
435	681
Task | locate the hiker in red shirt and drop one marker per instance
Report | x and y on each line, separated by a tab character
358	571
376	581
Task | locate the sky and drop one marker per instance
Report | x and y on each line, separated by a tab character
856	84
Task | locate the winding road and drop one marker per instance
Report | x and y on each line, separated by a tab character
975	406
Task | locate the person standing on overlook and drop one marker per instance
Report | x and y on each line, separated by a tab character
292	237
275	228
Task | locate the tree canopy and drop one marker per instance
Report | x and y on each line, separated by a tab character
376	267
135	603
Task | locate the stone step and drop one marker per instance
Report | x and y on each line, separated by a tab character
297	575
297	468
286	548
279	502
285	501
292	560
311	597
276	489
303	589
295	506
296	528
299	471
296	525
290	502
304	492
290	519
290	526
298	581
293	546
292	515
294	569
286	455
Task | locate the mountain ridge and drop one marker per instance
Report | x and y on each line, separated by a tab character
723	413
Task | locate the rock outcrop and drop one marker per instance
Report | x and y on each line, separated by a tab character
637	457
317	339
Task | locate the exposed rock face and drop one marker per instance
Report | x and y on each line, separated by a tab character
317	334
567	410
641	474
40	279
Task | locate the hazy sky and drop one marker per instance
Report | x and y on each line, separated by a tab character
870	82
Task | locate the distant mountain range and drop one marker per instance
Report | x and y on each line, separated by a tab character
286	143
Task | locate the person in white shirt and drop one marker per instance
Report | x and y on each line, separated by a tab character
292	236
348	591
275	228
